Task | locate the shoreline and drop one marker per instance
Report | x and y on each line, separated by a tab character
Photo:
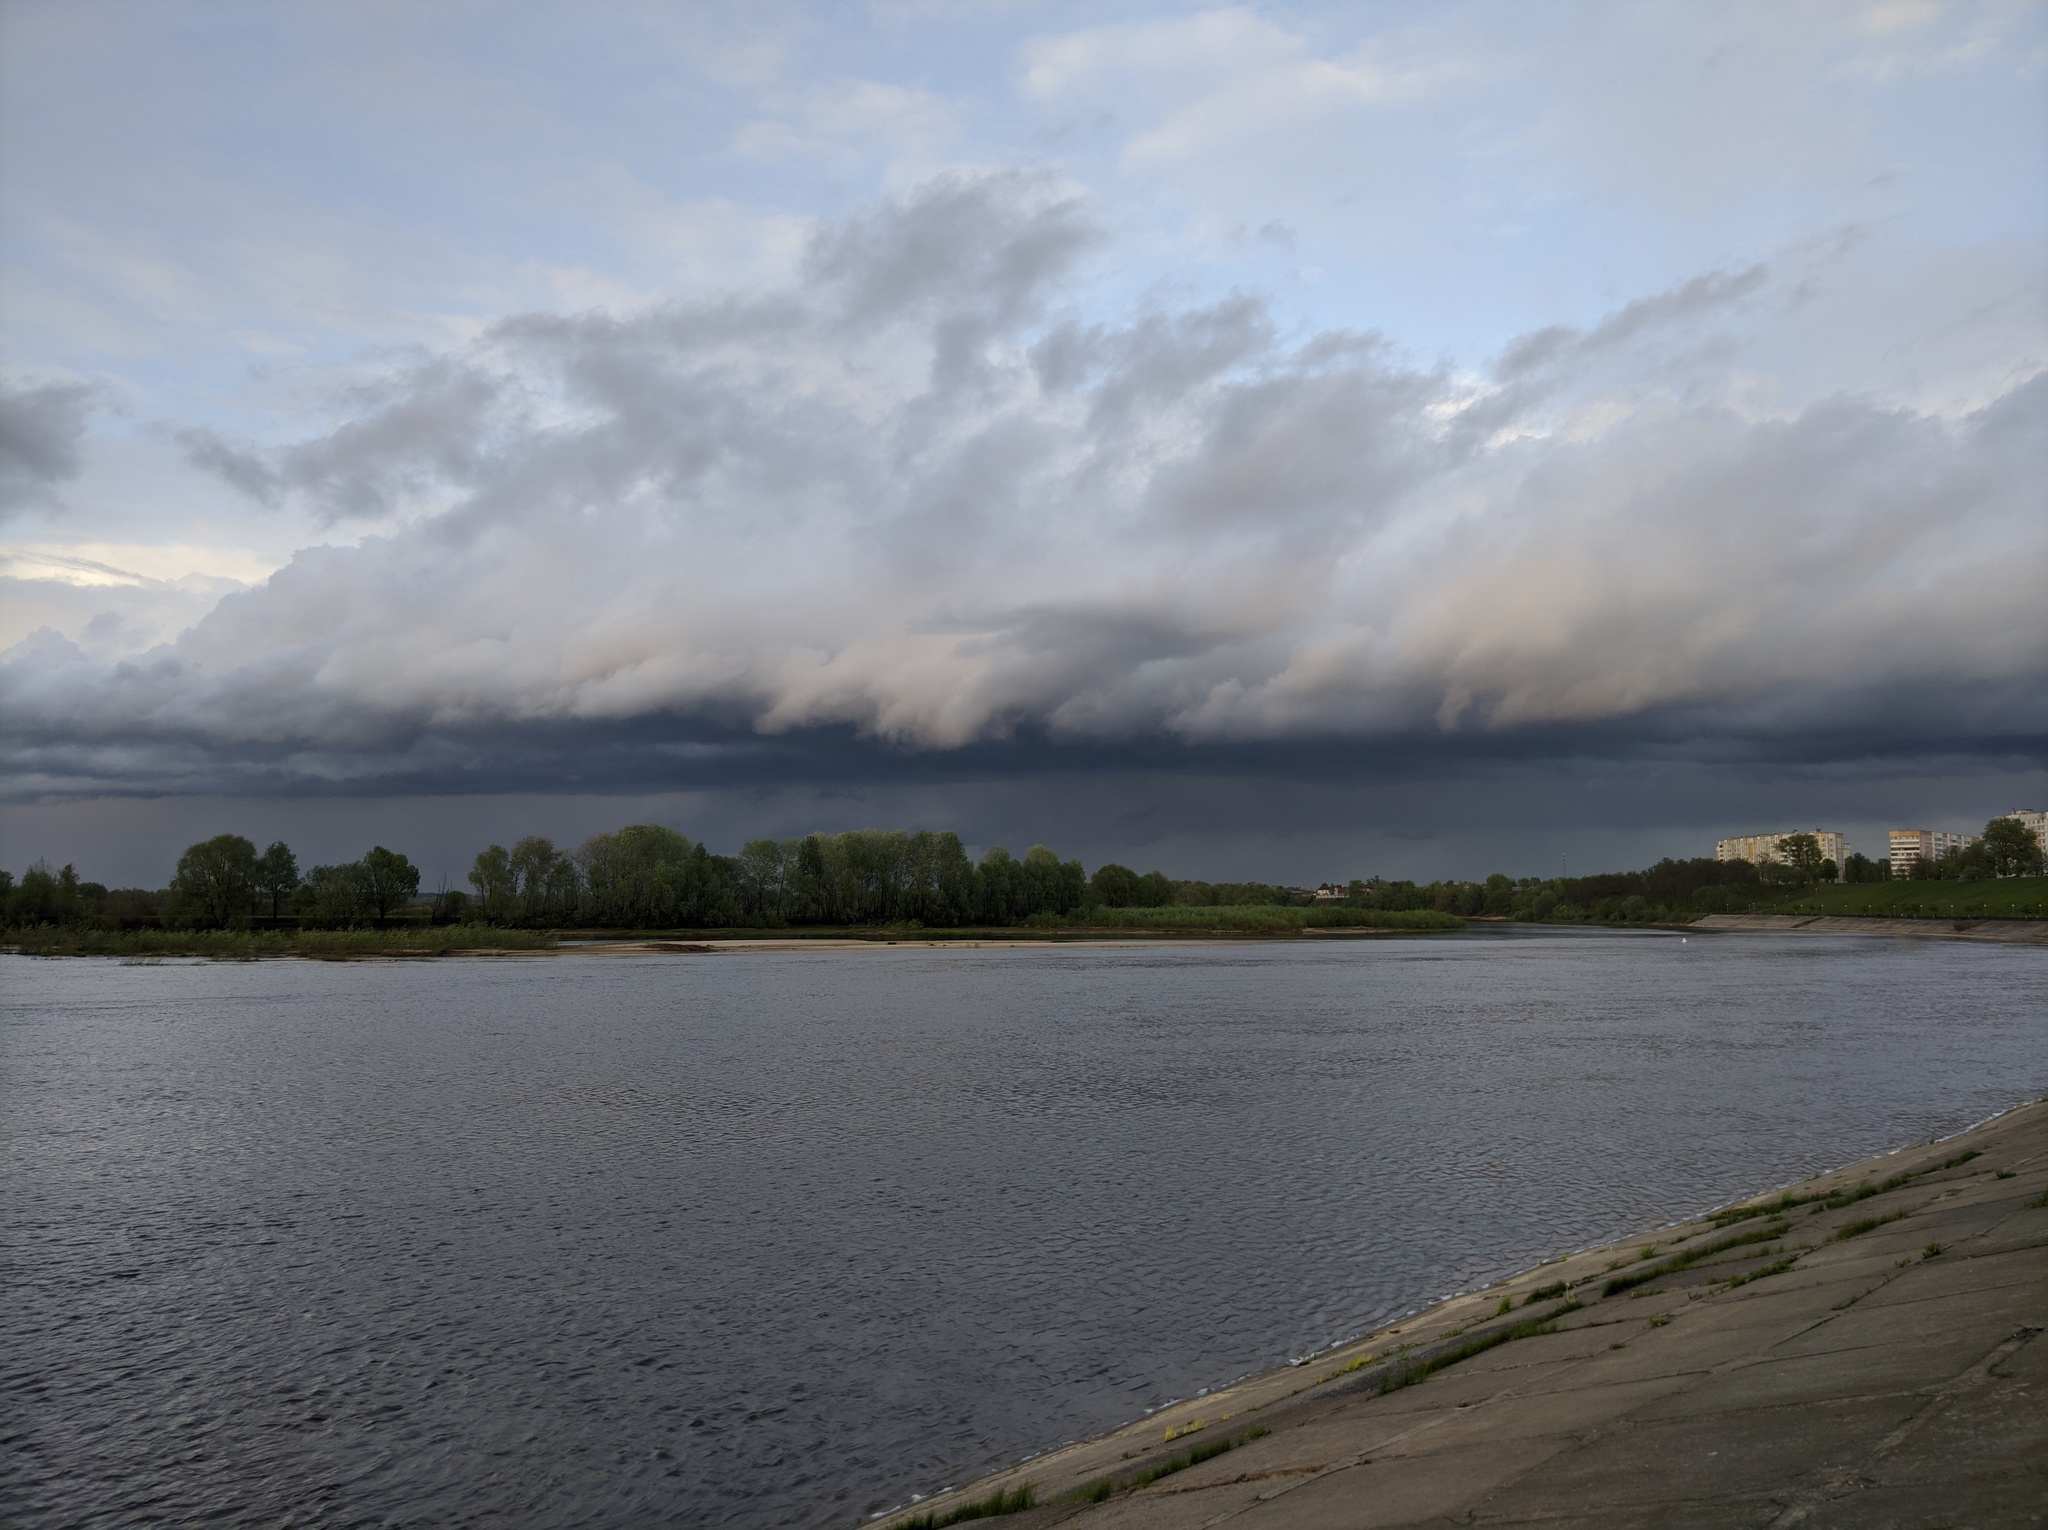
2030	932
2005	932
1545	1392
686	945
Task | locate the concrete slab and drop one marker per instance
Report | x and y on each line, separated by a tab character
1744	1452
1876	1370
1972	1320
1390	1493
1721	1514
1931	1507
1848	1390
1995	1270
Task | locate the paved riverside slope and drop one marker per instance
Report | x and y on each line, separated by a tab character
2026	932
1829	1372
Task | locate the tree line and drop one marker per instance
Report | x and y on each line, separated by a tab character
647	876
644	876
220	883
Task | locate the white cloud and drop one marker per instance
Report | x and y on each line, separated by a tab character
908	493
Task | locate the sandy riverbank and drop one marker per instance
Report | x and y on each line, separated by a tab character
2029	932
1058	942
1863	1349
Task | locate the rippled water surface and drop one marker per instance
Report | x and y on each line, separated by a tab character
781	1239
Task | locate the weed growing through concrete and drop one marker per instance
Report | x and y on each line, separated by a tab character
1837	1199
1526	1329
1507	1304
1015	1501
2005	1174
1345	1370
1102	1490
1779	1268
1931	1250
1863	1225
2040	1202
1544	1293
1691	1256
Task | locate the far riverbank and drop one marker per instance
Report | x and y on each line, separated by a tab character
2002	931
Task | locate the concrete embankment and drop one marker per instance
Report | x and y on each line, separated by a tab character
1865	1349
2032	932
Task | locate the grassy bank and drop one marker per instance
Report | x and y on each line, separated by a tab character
251	945
1258	919
2010	898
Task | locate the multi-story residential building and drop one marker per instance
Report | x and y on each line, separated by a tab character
1762	849
1912	846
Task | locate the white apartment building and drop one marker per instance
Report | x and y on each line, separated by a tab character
1912	846
1762	849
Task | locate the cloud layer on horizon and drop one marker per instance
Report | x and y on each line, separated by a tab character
918	497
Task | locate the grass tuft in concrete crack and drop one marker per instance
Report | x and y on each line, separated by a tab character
1835	1200
1863	1225
1106	1488
1691	1256
1528	1328
1015	1501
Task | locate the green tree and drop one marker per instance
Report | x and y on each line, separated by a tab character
45	896
215	882
337	895
1113	886
496	889
1051	885
1801	858
389	880
545	879
277	875
1155	890
998	888
760	876
2010	849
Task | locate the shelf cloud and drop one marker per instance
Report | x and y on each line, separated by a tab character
918	502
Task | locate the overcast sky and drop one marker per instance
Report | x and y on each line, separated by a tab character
1281	440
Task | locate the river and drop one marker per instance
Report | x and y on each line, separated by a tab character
781	1239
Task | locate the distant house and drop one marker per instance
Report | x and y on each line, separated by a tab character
1912	846
1763	849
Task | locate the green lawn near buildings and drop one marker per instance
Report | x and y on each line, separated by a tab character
2009	898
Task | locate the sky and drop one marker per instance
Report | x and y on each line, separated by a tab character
1291	441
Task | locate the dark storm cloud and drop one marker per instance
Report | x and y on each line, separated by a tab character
912	517
40	430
